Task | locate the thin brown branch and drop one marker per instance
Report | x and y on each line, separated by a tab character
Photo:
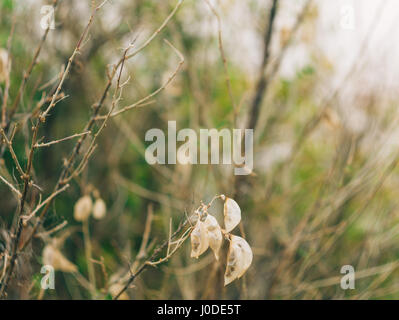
156	252
154	93
28	72
47	144
13	155
13	189
262	81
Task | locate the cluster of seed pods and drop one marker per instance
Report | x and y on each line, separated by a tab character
208	233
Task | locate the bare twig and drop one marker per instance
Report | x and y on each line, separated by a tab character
13	189
27	173
47	144
151	95
147	229
51	197
13	155
153	256
262	81
28	72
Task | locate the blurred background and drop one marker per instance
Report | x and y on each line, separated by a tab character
323	192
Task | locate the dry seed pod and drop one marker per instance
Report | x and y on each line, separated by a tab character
232	214
239	259
115	289
82	208
53	257
215	236
4	65
234	263
247	255
99	209
199	239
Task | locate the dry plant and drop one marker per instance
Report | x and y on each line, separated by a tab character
69	171
76	193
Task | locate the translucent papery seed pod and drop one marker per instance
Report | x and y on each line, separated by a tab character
232	214
239	259
215	236
99	209
246	250
53	257
82	208
234	263
199	239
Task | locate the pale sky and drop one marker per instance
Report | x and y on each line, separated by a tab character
374	20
